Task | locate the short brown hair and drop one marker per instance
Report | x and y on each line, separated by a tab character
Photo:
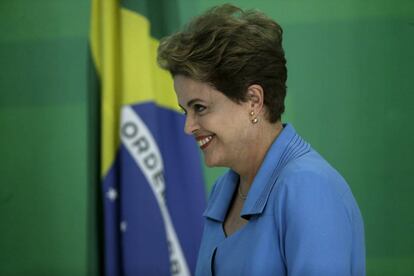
231	49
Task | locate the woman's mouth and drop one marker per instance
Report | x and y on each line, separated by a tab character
204	141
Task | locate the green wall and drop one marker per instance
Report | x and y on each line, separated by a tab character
44	205
350	93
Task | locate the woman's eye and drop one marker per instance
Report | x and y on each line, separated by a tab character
199	108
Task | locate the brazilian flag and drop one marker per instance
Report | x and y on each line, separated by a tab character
152	187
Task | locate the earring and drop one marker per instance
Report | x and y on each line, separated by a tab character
254	120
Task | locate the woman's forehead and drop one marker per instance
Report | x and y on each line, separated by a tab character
188	89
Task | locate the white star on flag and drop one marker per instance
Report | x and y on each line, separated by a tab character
112	194
123	226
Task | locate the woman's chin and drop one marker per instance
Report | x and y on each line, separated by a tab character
211	162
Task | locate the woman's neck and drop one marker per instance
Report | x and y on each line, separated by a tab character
248	169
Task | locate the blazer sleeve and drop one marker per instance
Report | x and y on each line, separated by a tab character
315	227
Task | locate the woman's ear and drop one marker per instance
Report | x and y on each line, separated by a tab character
255	97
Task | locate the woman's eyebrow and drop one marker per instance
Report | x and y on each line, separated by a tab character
189	103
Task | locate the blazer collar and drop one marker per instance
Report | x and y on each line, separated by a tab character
286	147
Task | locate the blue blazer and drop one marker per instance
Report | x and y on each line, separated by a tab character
303	219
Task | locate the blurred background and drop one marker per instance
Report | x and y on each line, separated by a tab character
350	94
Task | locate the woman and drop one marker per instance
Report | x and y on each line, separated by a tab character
281	209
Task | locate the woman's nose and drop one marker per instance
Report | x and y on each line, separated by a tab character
190	125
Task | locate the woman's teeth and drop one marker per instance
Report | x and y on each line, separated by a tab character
205	140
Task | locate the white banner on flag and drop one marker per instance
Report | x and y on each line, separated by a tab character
140	143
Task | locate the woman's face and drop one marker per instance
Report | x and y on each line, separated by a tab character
222	128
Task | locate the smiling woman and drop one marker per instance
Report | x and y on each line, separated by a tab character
281	208
223	127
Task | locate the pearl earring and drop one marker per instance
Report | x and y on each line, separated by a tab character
254	120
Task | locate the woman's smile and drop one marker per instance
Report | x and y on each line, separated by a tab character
204	141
